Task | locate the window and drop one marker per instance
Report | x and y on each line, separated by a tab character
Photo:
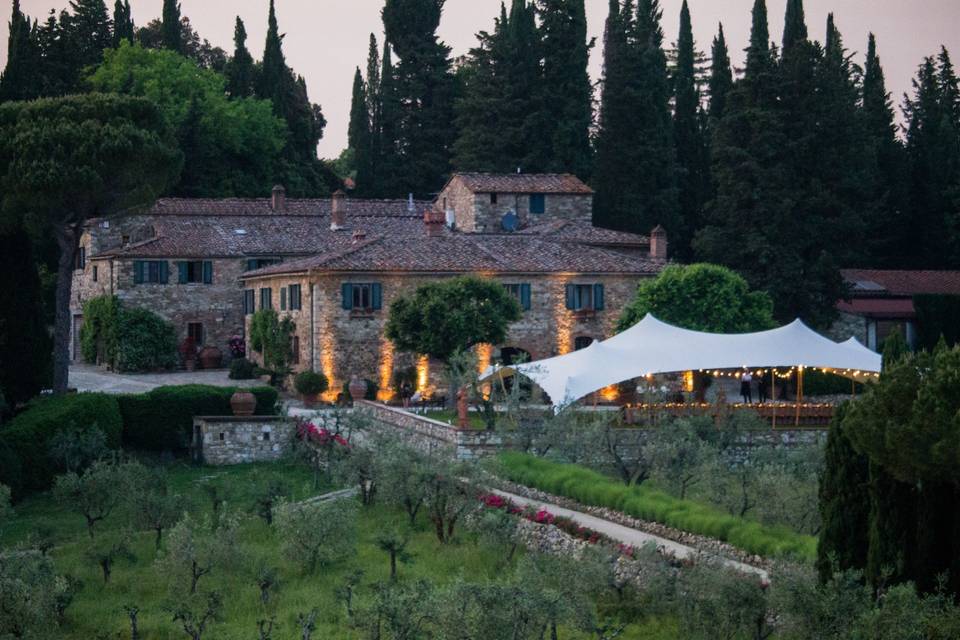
222	436
294	298
266	298
521	292
585	297
582	342
260	263
80	262
266	436
195	331
95	273
249	302
363	296
151	271
294	349
493	198
195	271
124	240
283	298
538	203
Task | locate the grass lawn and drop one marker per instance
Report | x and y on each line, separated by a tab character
97	611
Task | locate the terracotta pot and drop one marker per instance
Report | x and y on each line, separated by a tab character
309	400
357	388
243	403
190	364
210	358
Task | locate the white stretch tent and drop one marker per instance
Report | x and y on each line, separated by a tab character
652	346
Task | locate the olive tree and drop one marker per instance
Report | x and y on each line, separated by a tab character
96	492
64	161
317	534
152	504
108	549
30	594
195	548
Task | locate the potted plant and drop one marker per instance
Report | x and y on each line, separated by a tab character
188	352
357	388
310	384
211	357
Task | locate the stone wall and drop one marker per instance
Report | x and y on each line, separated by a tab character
236	440
847	325
431	435
301	317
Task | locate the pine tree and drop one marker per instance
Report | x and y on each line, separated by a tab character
358	132
240	71
172	34
567	101
18	81
844	504
721	77
425	93
122	23
692	169
635	170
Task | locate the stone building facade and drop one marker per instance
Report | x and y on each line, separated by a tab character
305	258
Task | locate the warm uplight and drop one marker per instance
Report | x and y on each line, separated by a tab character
688	381
564	321
328	346
385	394
484	354
423	374
610	394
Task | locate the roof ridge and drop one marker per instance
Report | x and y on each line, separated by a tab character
323	258
487	251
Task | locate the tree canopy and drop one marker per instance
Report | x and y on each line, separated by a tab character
702	297
441	318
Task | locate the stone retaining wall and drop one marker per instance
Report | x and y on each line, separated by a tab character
428	434
223	440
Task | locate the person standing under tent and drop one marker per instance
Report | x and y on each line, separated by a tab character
762	388
745	382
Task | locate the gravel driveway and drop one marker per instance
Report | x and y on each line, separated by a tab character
90	378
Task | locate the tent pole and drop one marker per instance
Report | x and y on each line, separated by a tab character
773	395
799	393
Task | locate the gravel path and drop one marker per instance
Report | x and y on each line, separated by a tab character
90	378
627	535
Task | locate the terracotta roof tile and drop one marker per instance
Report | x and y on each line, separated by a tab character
558	183
294	207
901	283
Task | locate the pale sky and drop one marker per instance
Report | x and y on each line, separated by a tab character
327	39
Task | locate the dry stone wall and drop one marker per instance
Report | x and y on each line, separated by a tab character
226	440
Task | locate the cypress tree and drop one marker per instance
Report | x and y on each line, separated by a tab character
721	77
844	504
89	31
374	110
240	72
386	162
690	143
567	92
760	58
425	93
891	547
171	31
18	81
795	26
122	22
358	132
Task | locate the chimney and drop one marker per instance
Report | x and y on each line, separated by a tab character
658	243
359	235
278	198
338	213
434	221
410	207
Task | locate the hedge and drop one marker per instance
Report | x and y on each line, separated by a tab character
162	419
25	463
594	489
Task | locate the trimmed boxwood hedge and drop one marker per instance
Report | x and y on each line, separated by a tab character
25	463
162	419
594	489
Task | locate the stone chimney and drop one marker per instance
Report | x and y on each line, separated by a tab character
658	243
338	213
359	235
278	198
434	220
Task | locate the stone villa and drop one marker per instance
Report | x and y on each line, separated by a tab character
334	265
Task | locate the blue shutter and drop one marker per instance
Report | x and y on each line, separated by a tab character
376	296
251	264
525	296
207	272
598	297
138	272
347	294
182	268
571	297
164	272
283	298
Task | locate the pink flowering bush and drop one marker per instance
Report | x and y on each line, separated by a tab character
320	436
542	516
238	347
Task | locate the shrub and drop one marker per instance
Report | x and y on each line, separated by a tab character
591	488
28	436
242	369
818	383
98	335
310	383
162	419
145	341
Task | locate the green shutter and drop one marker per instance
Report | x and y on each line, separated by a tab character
138	272
283	298
571	297
376	296
183	269
207	272
598	297
164	272
251	264
525	296
346	292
